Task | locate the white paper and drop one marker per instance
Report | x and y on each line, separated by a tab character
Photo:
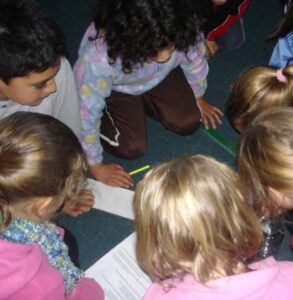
119	274
117	201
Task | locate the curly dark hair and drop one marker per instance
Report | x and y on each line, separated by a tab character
136	30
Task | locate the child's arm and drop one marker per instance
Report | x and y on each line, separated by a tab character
209	113
195	68
94	83
86	289
111	174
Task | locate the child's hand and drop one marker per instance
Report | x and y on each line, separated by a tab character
209	114
81	205
212	48
111	174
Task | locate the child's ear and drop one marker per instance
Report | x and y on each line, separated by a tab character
42	207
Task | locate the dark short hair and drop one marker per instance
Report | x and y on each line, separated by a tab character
137	30
29	40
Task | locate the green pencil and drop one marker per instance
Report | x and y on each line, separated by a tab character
139	170
220	139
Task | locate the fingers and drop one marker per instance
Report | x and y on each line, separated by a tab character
112	174
213	118
118	177
209	114
212	47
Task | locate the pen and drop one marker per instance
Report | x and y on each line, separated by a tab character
139	170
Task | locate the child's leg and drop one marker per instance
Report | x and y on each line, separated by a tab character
234	38
173	104
123	126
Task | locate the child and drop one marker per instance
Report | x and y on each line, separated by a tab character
265	162
195	231
223	26
140	57
34	74
258	89
283	52
41	167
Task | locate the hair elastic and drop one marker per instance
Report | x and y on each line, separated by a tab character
280	76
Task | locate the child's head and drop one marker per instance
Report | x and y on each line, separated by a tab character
191	217
257	90
265	160
137	31
41	165
286	25
30	45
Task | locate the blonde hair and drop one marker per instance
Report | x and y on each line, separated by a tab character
191	217
257	90
39	157
265	157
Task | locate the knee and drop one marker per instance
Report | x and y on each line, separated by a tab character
133	150
187	126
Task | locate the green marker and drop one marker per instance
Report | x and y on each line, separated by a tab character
220	139
139	170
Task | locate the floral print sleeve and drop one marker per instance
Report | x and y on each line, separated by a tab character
94	82
195	67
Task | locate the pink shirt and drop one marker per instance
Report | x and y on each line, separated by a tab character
26	274
269	280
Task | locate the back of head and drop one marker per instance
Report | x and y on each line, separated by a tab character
257	90
191	217
29	40
39	157
136	30
265	157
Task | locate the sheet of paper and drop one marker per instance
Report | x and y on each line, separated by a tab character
117	201
119	274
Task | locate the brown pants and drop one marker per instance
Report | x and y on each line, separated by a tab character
123	125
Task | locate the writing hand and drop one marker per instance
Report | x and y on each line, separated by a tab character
111	174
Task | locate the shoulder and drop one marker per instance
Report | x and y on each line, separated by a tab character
91	48
26	269
182	289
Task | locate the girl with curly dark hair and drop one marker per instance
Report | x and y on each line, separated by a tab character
140	57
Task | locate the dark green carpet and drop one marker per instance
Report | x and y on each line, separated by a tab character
97	232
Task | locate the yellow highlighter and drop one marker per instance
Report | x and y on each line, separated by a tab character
139	170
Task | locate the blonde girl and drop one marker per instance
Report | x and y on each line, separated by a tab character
41	168
195	232
256	90
265	161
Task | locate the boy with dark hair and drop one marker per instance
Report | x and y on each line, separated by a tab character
34	74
